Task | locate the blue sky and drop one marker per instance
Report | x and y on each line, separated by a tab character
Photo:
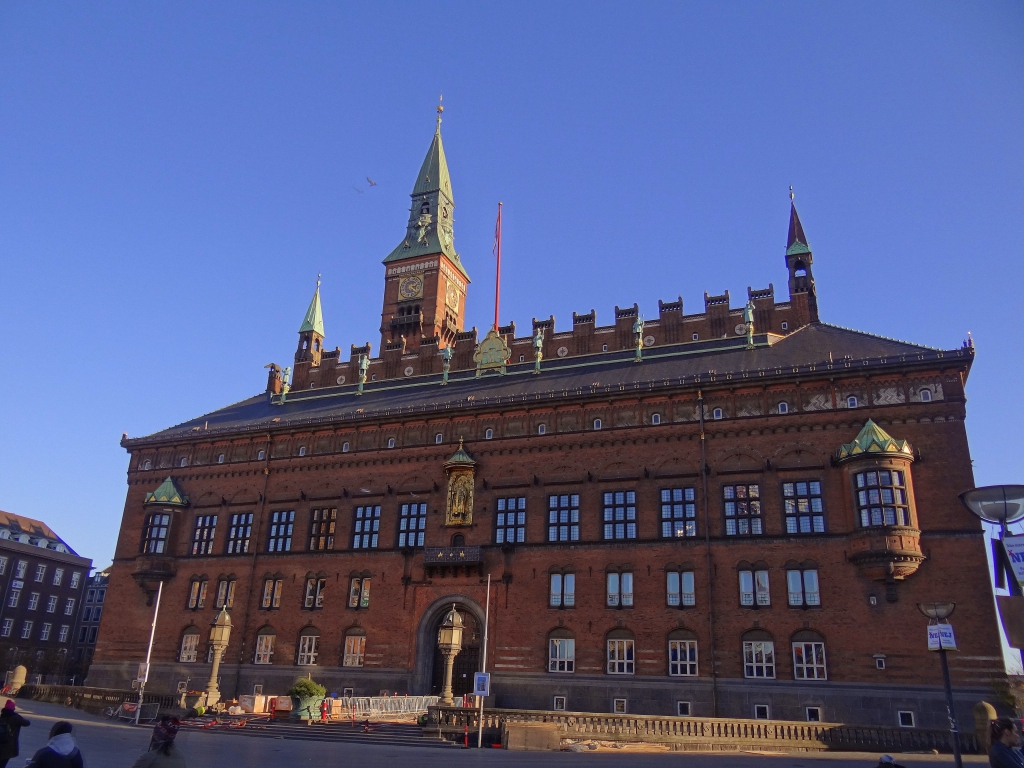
174	176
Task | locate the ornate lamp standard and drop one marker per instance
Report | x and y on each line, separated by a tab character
449	640
220	633
939	612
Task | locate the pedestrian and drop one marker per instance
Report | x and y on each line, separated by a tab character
165	730
11	724
273	706
60	751
886	761
1005	752
325	708
162	752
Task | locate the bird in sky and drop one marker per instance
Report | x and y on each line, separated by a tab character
358	191
372	182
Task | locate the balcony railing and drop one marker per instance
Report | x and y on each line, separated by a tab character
452	556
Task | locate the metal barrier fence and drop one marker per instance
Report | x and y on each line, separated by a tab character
386	706
94	700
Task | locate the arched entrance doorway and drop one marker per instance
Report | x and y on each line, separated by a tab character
468	660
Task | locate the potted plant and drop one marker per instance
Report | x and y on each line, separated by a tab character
306	697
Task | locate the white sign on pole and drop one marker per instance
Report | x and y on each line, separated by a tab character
1014	548
940	637
933	637
482	684
143	675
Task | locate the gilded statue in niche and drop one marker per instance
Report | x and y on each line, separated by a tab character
460	497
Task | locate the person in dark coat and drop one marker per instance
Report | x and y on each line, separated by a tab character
14	723
1005	752
60	751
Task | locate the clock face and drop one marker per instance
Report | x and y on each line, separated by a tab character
452	296
411	287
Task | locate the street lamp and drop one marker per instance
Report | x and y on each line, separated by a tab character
449	640
220	633
939	612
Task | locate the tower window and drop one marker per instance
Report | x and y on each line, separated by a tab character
783	407
220	458
522	358
438	438
655	419
717	413
344	448
604	347
882	498
851	401
785	325
261	456
541	429
925	395
147	464
597	424
488	434
695	337
391	442
183	462
302	450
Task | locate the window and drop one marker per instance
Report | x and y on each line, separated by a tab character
742	509
680	589
682	653
683	709
87	614
226	593
321	528
96	614
620	515
785	325
620	590
558	703
197	594
189	647
758	655
804	510
620	652
542	429
220	458
183	462
281	526
563	590
40	572
309	648
561	651
813	714
261	455
5	630
100	594
344	447
678	512
761	712
359	592
51	604
62	636
655	419
58	575
155	540
597	423
564	517
147	464
695	337
754	588
33	601
783	407
879	661
265	647
488	433
26	630
44	631
366	527
3	568
355	649
808	656
511	520
619	706
239	533
803	587
882	498
272	593
302	450
412	524
925	395
202	538
22	569
438	438
315	588
717	413
391	442
69	606
75	578
905	718
12	601
851	401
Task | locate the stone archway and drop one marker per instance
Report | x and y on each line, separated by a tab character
427	655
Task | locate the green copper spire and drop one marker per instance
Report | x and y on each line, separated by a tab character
797	241
314	319
874	440
167	494
432	213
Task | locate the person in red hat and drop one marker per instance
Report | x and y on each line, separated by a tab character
11	724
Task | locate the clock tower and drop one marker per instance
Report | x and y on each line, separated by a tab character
424	280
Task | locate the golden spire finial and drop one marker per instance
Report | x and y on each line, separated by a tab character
460	442
792	195
318	280
440	109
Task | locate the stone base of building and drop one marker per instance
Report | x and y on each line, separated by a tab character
863	704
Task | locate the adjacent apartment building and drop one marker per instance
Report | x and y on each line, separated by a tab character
730	512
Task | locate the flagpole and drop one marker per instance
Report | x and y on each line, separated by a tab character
497	279
487	622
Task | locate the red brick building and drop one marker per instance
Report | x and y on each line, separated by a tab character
731	511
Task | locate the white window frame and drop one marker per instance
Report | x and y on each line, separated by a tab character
717	413
598	424
558	703
759	659
685	654
683	709
900	720
619	589
315	589
542	429
817	714
766	709
44	632
809	661
755	588
562	654
438	438
51	604
33	601
655	419
58	575
62	636
22	568
69	606
355	651
26	630
488	434
189	650
680	589
359	592
852	401
40	573
621	655
265	648
803	588
7	628
783	407
345	447
272	589
309	649
225	593
391	442
563	590
75	578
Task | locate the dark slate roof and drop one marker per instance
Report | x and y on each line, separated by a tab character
802	352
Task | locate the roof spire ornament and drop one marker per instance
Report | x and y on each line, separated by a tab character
440	109
792	196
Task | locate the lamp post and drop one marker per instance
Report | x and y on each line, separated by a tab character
449	640
939	612
220	633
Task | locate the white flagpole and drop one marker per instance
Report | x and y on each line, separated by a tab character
487	623
149	651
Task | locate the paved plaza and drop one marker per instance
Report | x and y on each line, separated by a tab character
107	744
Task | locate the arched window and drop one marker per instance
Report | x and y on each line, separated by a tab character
717	413
438	438
302	450
851	401
808	656
758	654
597	424
197	593
189	645
488	433
783	407
542	429
458	540
655	419
309	647
621	652
261	456
344	447
561	650
220	458
682	653
147	464
355	647
391	442
925	395
266	638
183	462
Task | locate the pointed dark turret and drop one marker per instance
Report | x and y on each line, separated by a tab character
798	261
